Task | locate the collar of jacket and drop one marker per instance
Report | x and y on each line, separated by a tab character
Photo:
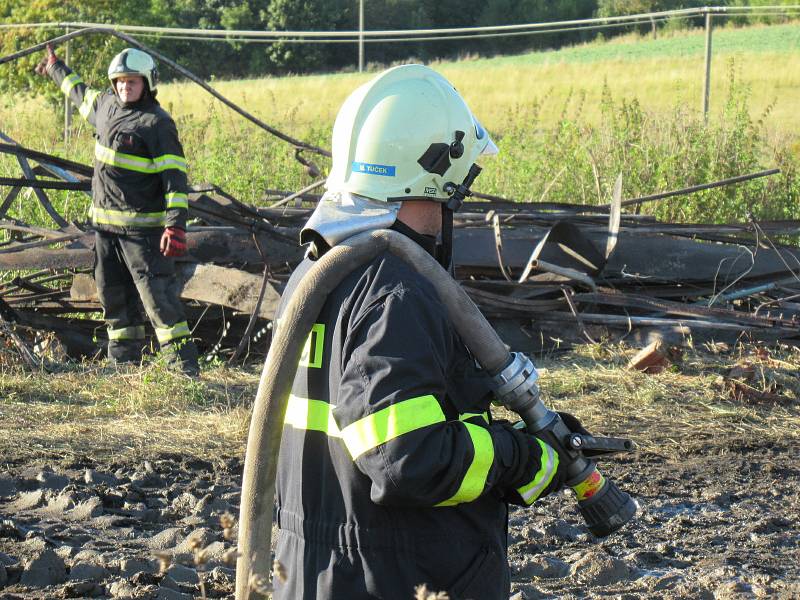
428	242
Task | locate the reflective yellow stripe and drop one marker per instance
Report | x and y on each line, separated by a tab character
475	478
69	82
88	102
139	164
312	415
316	340
176	200
124	218
468	416
391	422
170	161
543	477
134	332
168	334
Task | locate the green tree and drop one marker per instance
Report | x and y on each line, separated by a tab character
307	15
90	54
509	12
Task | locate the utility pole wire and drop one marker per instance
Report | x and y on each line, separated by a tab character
353	36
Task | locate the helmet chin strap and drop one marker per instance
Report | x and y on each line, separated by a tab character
444	254
458	193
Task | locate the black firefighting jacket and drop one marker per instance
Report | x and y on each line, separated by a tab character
139	180
392	473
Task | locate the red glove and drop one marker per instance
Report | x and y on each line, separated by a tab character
47	61
173	242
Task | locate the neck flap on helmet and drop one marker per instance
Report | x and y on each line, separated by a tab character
340	215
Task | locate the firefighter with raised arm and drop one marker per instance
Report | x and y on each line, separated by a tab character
139	206
392	472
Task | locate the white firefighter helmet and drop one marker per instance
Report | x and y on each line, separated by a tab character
405	135
131	62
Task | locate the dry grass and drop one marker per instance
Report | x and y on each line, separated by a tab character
670	413
660	74
299	103
108	413
104	413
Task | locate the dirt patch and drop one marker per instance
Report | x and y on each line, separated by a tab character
715	477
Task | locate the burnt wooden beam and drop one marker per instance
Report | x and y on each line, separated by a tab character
210	284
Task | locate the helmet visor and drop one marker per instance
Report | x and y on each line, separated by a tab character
481	134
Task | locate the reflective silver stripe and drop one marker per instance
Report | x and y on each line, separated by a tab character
134	332
122	160
543	477
176	200
468	416
69	82
170	161
88	102
139	164
168	334
123	218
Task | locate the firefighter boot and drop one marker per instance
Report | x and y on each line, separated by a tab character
182	354
125	351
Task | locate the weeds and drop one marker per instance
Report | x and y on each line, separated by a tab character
565	129
653	152
96	410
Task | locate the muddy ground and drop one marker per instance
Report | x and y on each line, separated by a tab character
718	518
719	523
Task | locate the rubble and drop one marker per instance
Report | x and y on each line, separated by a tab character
547	275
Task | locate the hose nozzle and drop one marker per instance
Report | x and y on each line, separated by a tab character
604	507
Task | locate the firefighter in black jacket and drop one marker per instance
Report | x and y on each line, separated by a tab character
139	206
392	472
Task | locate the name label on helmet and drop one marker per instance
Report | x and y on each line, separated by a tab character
371	169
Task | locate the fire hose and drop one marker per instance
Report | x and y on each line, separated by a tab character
601	503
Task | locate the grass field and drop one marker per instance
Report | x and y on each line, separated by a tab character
86	410
629	105
660	73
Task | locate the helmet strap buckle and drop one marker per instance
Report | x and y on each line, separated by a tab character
458	193
457	146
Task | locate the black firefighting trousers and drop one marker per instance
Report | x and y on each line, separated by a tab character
130	272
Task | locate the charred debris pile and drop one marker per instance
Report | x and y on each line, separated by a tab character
546	275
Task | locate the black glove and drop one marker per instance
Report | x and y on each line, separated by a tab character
572	423
575	426
539	473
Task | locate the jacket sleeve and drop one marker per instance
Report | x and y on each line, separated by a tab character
167	153
74	88
400	433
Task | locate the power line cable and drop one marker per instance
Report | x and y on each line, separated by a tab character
686	12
